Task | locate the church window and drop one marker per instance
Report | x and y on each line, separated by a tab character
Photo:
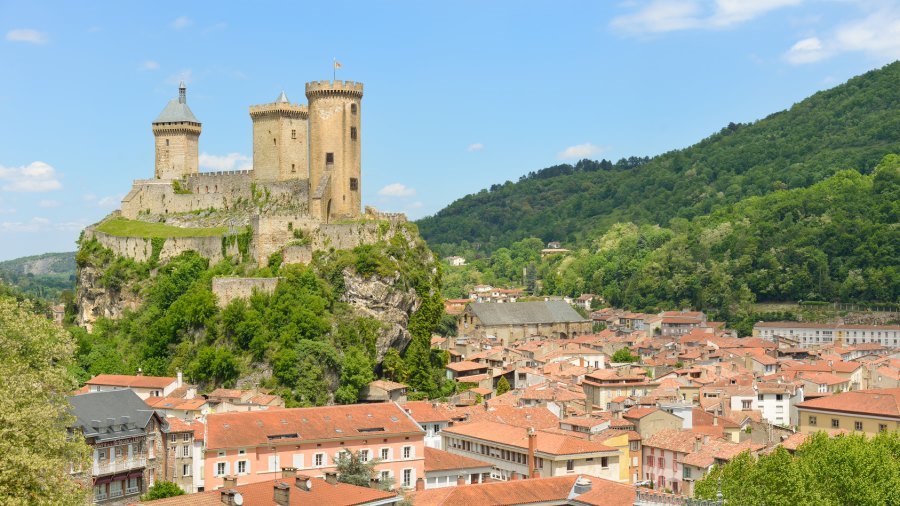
293	134
353	133
352	108
329	158
354	184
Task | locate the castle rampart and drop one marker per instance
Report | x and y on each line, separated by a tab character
232	288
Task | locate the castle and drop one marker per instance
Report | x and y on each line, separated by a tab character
304	157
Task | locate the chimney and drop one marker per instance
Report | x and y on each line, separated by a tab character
229	481
532	445
420	484
303	482
696	444
282	494
582	485
180	378
715	420
140	372
331	478
460	480
288	472
228	495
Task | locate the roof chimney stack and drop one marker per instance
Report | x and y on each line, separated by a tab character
331	478
303	482
532	446
282	494
229	481
228	497
182	93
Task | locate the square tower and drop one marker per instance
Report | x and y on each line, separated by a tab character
177	134
280	141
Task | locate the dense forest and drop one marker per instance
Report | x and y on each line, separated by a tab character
301	341
45	276
851	126
836	240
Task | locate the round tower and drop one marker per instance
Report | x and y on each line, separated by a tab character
280	144
177	133
334	148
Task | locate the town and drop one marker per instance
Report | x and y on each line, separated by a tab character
549	409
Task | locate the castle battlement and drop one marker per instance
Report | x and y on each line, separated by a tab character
219	173
351	88
176	128
295	110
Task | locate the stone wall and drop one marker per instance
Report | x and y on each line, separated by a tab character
231	288
141	249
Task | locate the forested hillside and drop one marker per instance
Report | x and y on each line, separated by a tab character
45	276
836	240
851	126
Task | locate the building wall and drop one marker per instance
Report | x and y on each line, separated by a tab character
659	463
871	425
261	464
231	288
511	334
176	151
448	478
280	142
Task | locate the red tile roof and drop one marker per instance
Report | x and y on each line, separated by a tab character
425	411
255	428
547	442
878	402
175	403
263	493
606	493
178	425
124	380
439	460
541	490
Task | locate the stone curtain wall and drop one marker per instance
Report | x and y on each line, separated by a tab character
229	289
141	249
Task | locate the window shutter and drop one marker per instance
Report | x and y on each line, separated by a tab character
298	460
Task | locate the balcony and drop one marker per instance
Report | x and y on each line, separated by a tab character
117	466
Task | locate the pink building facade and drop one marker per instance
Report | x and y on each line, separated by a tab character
255	446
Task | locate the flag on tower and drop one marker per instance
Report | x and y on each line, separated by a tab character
337	64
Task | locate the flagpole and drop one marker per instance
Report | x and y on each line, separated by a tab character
334	69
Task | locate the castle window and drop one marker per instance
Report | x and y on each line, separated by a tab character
274	142
352	108
167	142
329	158
293	134
354	184
353	133
293	169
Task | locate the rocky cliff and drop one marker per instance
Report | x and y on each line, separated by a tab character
384	300
94	299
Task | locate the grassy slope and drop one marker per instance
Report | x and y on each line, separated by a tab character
123	227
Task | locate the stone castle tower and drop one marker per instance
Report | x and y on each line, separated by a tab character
311	153
334	161
280	143
177	132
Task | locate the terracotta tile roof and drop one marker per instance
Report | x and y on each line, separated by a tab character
465	365
265	399
584	421
547	443
426	411
386	385
178	425
439	460
554	490
606	493
123	380
255	428
680	320
821	365
822	378
676	440
878	402
538	417
226	393
638	413
194	404
262	494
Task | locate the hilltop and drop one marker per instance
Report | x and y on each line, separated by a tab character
44	276
851	126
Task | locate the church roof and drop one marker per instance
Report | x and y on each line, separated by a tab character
518	313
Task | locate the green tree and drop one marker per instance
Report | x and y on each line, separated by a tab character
392	365
161	490
624	355
502	386
356	373
352	469
35	449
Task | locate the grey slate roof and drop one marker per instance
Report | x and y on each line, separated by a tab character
114	404
282	99
519	313
176	112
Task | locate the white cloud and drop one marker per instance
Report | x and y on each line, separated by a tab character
475	147
181	22
46	204
397	190
659	16
27	35
231	161
149	65
876	35
36	177
579	151
110	201
7	210
806	51
89	197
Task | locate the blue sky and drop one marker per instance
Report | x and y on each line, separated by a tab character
459	95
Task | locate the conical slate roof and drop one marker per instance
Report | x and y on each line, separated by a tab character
282	99
177	110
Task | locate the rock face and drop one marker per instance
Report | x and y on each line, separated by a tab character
380	298
95	301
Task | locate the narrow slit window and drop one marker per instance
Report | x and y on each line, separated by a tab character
329	158
352	108
353	133
293	134
354	184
